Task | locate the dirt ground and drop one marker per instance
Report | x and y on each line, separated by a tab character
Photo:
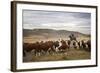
72	54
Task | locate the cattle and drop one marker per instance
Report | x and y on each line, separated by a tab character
56	45
88	45
68	42
63	46
74	44
28	47
79	44
83	45
49	47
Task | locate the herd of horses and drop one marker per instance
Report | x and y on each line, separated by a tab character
43	47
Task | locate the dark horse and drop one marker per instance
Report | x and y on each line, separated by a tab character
72	37
73	40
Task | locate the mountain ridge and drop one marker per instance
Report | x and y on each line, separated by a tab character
51	32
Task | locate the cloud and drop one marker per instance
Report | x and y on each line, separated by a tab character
75	21
59	25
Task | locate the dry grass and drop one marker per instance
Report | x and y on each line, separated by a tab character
72	54
32	39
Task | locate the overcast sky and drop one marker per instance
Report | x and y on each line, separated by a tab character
72	21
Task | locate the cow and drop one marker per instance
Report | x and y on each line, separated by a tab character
27	47
46	47
69	43
56	45
84	45
63	46
79	44
75	44
88	45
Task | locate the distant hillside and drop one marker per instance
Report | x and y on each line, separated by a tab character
51	33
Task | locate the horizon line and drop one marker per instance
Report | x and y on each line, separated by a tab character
58	29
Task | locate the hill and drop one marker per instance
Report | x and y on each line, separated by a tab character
51	33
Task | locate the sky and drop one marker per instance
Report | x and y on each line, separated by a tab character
58	20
